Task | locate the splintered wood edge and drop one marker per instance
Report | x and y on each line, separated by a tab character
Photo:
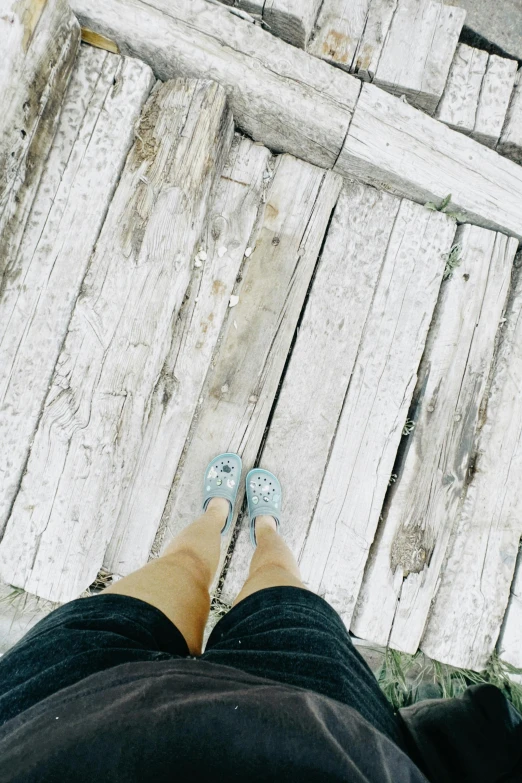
99	41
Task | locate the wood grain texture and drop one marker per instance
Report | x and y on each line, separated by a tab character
279	95
340	26
231	219
396	147
93	39
240	389
95	132
459	102
310	400
291	20
468	609
423	506
418	51
510	642
39	45
510	143
369	49
376	406
99	399
497	87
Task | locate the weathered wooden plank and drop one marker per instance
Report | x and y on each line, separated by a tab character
40	39
322	361
510	642
422	510
279	95
254	7
291	20
495	95
99	399
19	612
376	406
395	146
40	286
231	219
459	102
469	606
510	143
369	50
418	51
340	27
240	389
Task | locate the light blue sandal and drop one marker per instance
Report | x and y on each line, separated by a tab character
263	493
222	477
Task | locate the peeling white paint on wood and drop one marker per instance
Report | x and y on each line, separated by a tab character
405	565
321	364
396	147
99	399
510	143
40	39
495	95
510	642
231	218
459	102
376	406
340	26
418	51
279	95
467	612
95	132
240	388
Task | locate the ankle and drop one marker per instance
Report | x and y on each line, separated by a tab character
220	506
265	523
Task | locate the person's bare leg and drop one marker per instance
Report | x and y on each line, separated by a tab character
273	564
179	581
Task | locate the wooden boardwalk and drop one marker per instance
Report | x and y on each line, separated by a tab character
172	288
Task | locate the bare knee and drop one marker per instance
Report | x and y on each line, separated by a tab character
187	559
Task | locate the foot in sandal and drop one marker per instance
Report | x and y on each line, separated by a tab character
221	480
263	492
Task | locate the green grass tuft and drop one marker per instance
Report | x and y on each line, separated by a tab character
403	678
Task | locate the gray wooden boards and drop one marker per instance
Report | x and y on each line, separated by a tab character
95	132
293	102
510	642
39	39
341	410
278	94
291	20
396	147
459	102
246	370
418	51
119	334
423	505
470	602
510	143
340	27
351	34
230	222
495	95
